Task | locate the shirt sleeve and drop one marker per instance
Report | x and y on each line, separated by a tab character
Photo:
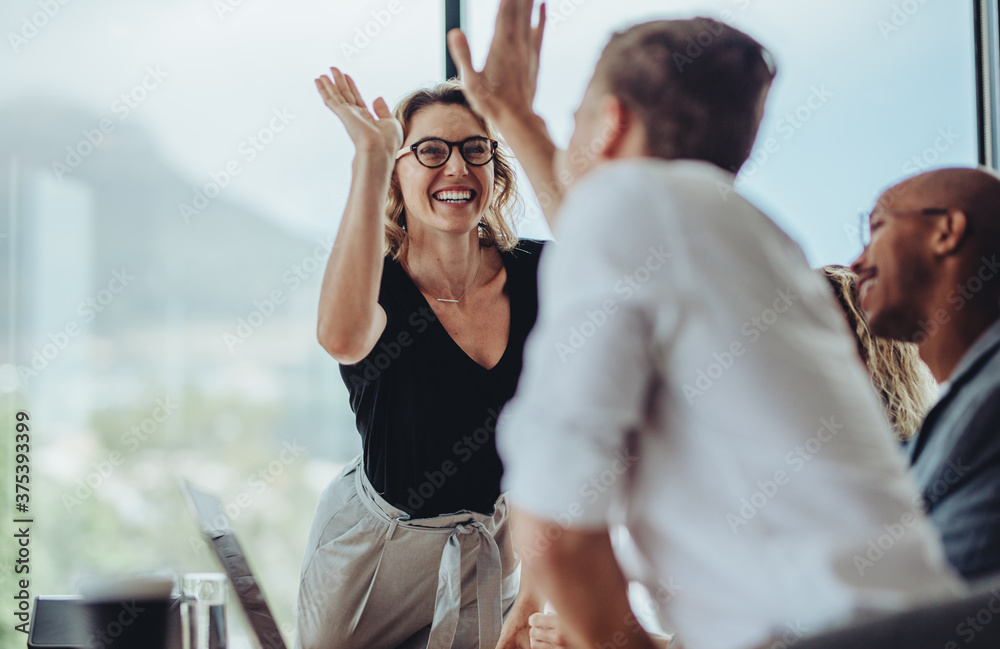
588	365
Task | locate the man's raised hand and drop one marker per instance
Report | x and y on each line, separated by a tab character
505	87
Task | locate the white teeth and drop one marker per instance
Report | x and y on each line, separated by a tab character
454	196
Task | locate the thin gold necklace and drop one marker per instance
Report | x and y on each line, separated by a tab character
442	299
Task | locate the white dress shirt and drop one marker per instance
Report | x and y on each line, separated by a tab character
691	376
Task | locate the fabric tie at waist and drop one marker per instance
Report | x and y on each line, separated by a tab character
448	602
465	530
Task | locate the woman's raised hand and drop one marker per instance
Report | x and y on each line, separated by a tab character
383	135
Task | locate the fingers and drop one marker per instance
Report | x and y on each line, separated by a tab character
538	32
330	93
381	109
543	638
458	44
344	87
545	631
513	18
543	621
354	91
524	15
472	80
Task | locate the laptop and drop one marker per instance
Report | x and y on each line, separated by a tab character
214	524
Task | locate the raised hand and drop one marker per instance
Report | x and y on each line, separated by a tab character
506	85
381	136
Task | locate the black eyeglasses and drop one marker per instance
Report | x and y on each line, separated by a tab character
865	225
433	152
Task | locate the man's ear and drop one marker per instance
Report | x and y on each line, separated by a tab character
951	232
616	122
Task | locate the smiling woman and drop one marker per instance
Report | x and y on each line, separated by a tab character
419	113
426	303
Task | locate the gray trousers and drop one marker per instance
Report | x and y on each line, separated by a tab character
372	578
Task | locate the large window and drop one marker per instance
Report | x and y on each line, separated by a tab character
170	183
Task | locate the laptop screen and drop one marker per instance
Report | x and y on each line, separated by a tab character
214	524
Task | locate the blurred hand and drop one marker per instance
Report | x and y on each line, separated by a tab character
382	136
506	85
546	632
514	634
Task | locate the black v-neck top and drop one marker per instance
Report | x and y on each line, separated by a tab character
425	410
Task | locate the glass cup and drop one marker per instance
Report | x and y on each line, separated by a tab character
203	611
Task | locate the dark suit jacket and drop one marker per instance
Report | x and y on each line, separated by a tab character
956	460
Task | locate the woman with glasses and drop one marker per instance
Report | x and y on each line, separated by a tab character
426	302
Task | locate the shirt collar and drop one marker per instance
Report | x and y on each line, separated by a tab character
985	343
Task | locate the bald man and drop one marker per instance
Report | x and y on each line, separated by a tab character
931	275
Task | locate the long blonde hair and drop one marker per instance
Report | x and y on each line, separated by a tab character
905	384
497	225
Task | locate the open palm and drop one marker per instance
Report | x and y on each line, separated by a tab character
380	133
506	84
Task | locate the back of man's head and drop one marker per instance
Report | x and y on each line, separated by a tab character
697	86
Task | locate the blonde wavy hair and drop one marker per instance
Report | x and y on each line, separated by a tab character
904	383
497	225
